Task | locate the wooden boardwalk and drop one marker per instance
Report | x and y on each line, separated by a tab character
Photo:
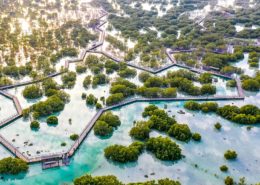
17	106
13	149
239	88
52	158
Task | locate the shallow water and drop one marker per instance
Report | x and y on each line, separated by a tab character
7	108
244	65
208	154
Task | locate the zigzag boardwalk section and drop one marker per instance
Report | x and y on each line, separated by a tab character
60	159
92	122
31	81
85	132
17	106
66	66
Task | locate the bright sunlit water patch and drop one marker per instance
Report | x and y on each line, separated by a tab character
25	26
226	3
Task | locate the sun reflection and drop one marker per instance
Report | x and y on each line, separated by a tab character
226	3
25	26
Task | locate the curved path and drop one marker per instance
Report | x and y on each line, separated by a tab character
91	123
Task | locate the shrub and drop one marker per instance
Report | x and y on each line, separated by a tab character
229	181
101	128
69	79
164	148
155	81
231	83
99	80
87	81
32	92
83	96
114	99
169	93
140	131
205	78
63	144
127	73
52	120
98	106
230	154
101	180
124	154
35	125
81	69
111	66
53	104
250	109
12	166
148	111
218	126
196	137
209	107
159	182
248	114
91	100
192	105
161	121
208	89
223	168
112	180
74	137
111	119
251	85
26	113
180	132
143	76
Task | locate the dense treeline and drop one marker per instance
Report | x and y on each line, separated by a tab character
161	87
112	180
124	154
247	114
251	83
32	92
12	166
115	42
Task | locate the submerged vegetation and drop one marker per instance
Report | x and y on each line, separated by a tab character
139	33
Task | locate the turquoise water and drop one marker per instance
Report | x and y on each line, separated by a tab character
208	154
47	140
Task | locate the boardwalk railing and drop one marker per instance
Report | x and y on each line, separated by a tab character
91	123
12	149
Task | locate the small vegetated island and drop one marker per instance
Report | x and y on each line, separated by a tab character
35	43
247	114
12	166
106	124
162	148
